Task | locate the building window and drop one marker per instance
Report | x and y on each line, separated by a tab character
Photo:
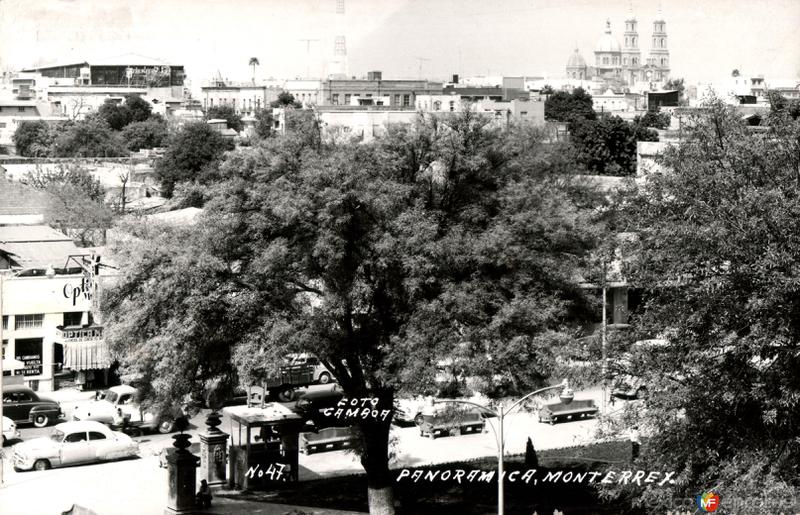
406	100
397	100
605	60
452	105
437	106
212	102
73	318
347	99
335	99
28	321
523	113
21	109
5	322
625	61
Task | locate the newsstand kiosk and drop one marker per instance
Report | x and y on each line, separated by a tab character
264	446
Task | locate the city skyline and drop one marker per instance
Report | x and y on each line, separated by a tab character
403	38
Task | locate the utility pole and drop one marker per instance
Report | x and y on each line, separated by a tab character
308	53
2	460
603	345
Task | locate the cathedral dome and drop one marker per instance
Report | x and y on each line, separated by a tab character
576	60
608	43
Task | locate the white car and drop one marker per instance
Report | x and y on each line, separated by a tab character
72	443
10	431
117	407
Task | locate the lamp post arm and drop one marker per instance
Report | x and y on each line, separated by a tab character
497	436
519	401
481	406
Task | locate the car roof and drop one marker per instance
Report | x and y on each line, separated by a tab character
82	425
123	388
16	388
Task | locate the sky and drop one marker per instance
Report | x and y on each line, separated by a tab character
402	38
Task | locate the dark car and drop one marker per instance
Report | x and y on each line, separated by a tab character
311	405
21	404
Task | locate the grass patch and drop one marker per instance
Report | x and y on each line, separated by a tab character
477	497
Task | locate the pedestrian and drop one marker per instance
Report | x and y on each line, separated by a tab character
204	495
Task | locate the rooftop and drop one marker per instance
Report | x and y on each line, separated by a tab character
117	60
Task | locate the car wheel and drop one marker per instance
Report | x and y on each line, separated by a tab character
40	420
41	465
286	395
324	378
166	426
419	419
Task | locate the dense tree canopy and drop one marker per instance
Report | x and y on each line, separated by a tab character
263	126
226	113
90	137
607	146
718	253
286	99
150	133
192	154
448	238
33	138
120	115
565	107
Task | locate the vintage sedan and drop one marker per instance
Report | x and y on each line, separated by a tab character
117	408
73	443
10	431
22	405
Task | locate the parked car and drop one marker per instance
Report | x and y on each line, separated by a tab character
310	406
410	410
10	431
72	443
321	373
117	407
23	405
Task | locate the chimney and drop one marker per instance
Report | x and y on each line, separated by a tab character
376	75
455	78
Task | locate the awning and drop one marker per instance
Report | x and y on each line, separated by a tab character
86	355
12	364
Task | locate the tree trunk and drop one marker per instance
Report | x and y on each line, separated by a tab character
375	460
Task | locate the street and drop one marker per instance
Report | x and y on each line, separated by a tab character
139	486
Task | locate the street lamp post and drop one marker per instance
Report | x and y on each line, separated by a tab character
566	397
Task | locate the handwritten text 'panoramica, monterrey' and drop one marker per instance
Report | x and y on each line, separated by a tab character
634	477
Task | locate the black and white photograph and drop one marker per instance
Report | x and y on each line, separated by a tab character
400	257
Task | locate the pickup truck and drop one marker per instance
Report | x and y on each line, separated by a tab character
117	408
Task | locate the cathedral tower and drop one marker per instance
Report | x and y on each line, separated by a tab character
631	55
659	54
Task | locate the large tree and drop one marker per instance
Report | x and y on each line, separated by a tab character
120	115
718	254
565	107
448	238
607	146
192	154
75	201
150	133
33	138
90	137
227	113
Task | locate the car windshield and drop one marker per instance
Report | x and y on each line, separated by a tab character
57	435
109	396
